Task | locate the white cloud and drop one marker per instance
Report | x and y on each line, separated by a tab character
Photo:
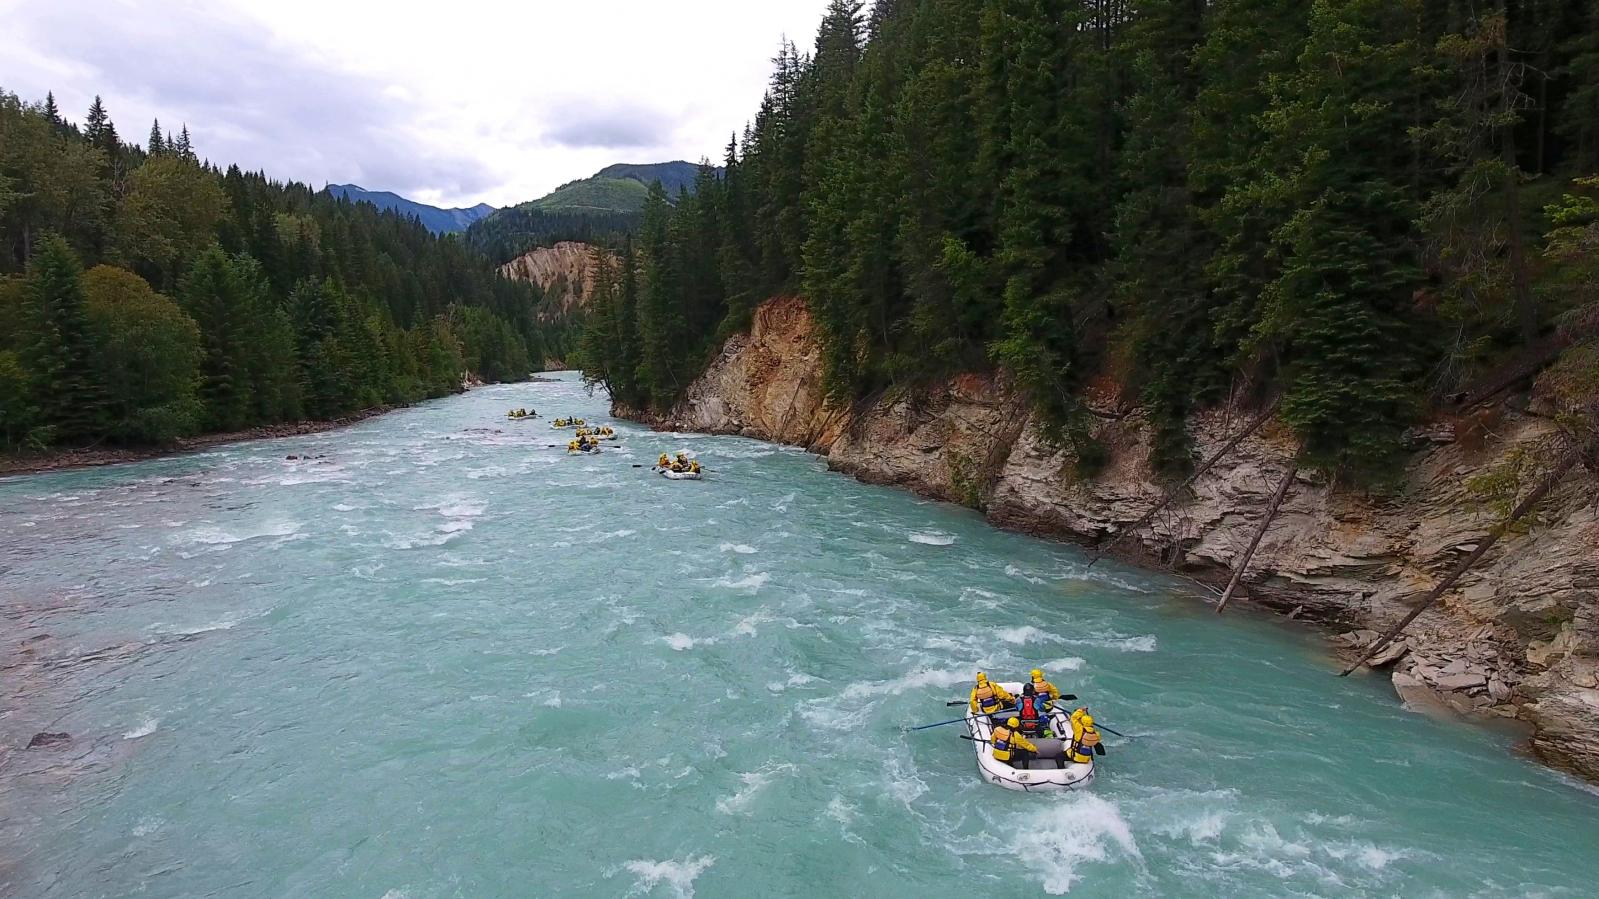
451	103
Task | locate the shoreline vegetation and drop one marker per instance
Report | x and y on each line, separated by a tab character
95	457
149	297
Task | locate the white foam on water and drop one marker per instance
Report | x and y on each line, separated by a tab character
1071	663
143	730
839	810
628	773
832	714
1013	571
932	539
794	680
679	875
395	893
453	581
782	503
455	527
902	784
1367	855
216	536
675	874
147	826
920	680
754	782
1144	643
436	539
752	582
1024	634
1078	829
680	642
343	507
553	702
463	509
1205	827
612	535
223	625
740	548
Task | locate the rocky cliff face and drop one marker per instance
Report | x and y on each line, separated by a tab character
564	272
1518	638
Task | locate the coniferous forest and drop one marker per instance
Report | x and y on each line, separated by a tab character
146	295
1362	209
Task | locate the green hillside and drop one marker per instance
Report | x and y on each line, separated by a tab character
594	195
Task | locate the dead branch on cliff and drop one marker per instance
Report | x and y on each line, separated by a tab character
1549	481
1260	532
1199	472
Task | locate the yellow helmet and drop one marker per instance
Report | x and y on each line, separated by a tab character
981	677
1087	720
1038	674
1012	722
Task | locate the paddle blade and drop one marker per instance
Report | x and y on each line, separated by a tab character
1098	749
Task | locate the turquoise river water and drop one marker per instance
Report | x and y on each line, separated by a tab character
442	659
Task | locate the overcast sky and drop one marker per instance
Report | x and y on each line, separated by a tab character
454	103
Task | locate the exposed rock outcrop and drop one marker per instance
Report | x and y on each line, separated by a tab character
564	272
1518	638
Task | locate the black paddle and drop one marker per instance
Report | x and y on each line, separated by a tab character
954	721
1064	697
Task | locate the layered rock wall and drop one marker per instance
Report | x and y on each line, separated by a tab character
564	272
1518	638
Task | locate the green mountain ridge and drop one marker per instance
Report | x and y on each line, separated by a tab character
617	188
599	208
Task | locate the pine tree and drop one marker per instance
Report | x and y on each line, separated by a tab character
660	316
156	145
96	122
184	148
211	296
1235	168
51	111
1157	271
1341	306
100	131
1579	122
59	352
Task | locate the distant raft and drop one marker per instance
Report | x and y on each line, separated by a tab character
671	475
576	447
563	423
1042	774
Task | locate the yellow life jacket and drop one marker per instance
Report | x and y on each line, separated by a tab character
1000	739
984	698
1084	739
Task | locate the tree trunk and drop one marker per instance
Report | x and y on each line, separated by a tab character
1198	473
1260	532
1561	469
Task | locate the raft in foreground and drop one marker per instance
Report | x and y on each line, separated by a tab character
1041	775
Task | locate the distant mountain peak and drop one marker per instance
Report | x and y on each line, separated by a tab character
435	219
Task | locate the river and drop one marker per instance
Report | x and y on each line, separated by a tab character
434	657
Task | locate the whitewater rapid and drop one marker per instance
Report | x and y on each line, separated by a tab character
434	656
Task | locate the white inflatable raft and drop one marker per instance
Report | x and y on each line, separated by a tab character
1042	773
671	475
